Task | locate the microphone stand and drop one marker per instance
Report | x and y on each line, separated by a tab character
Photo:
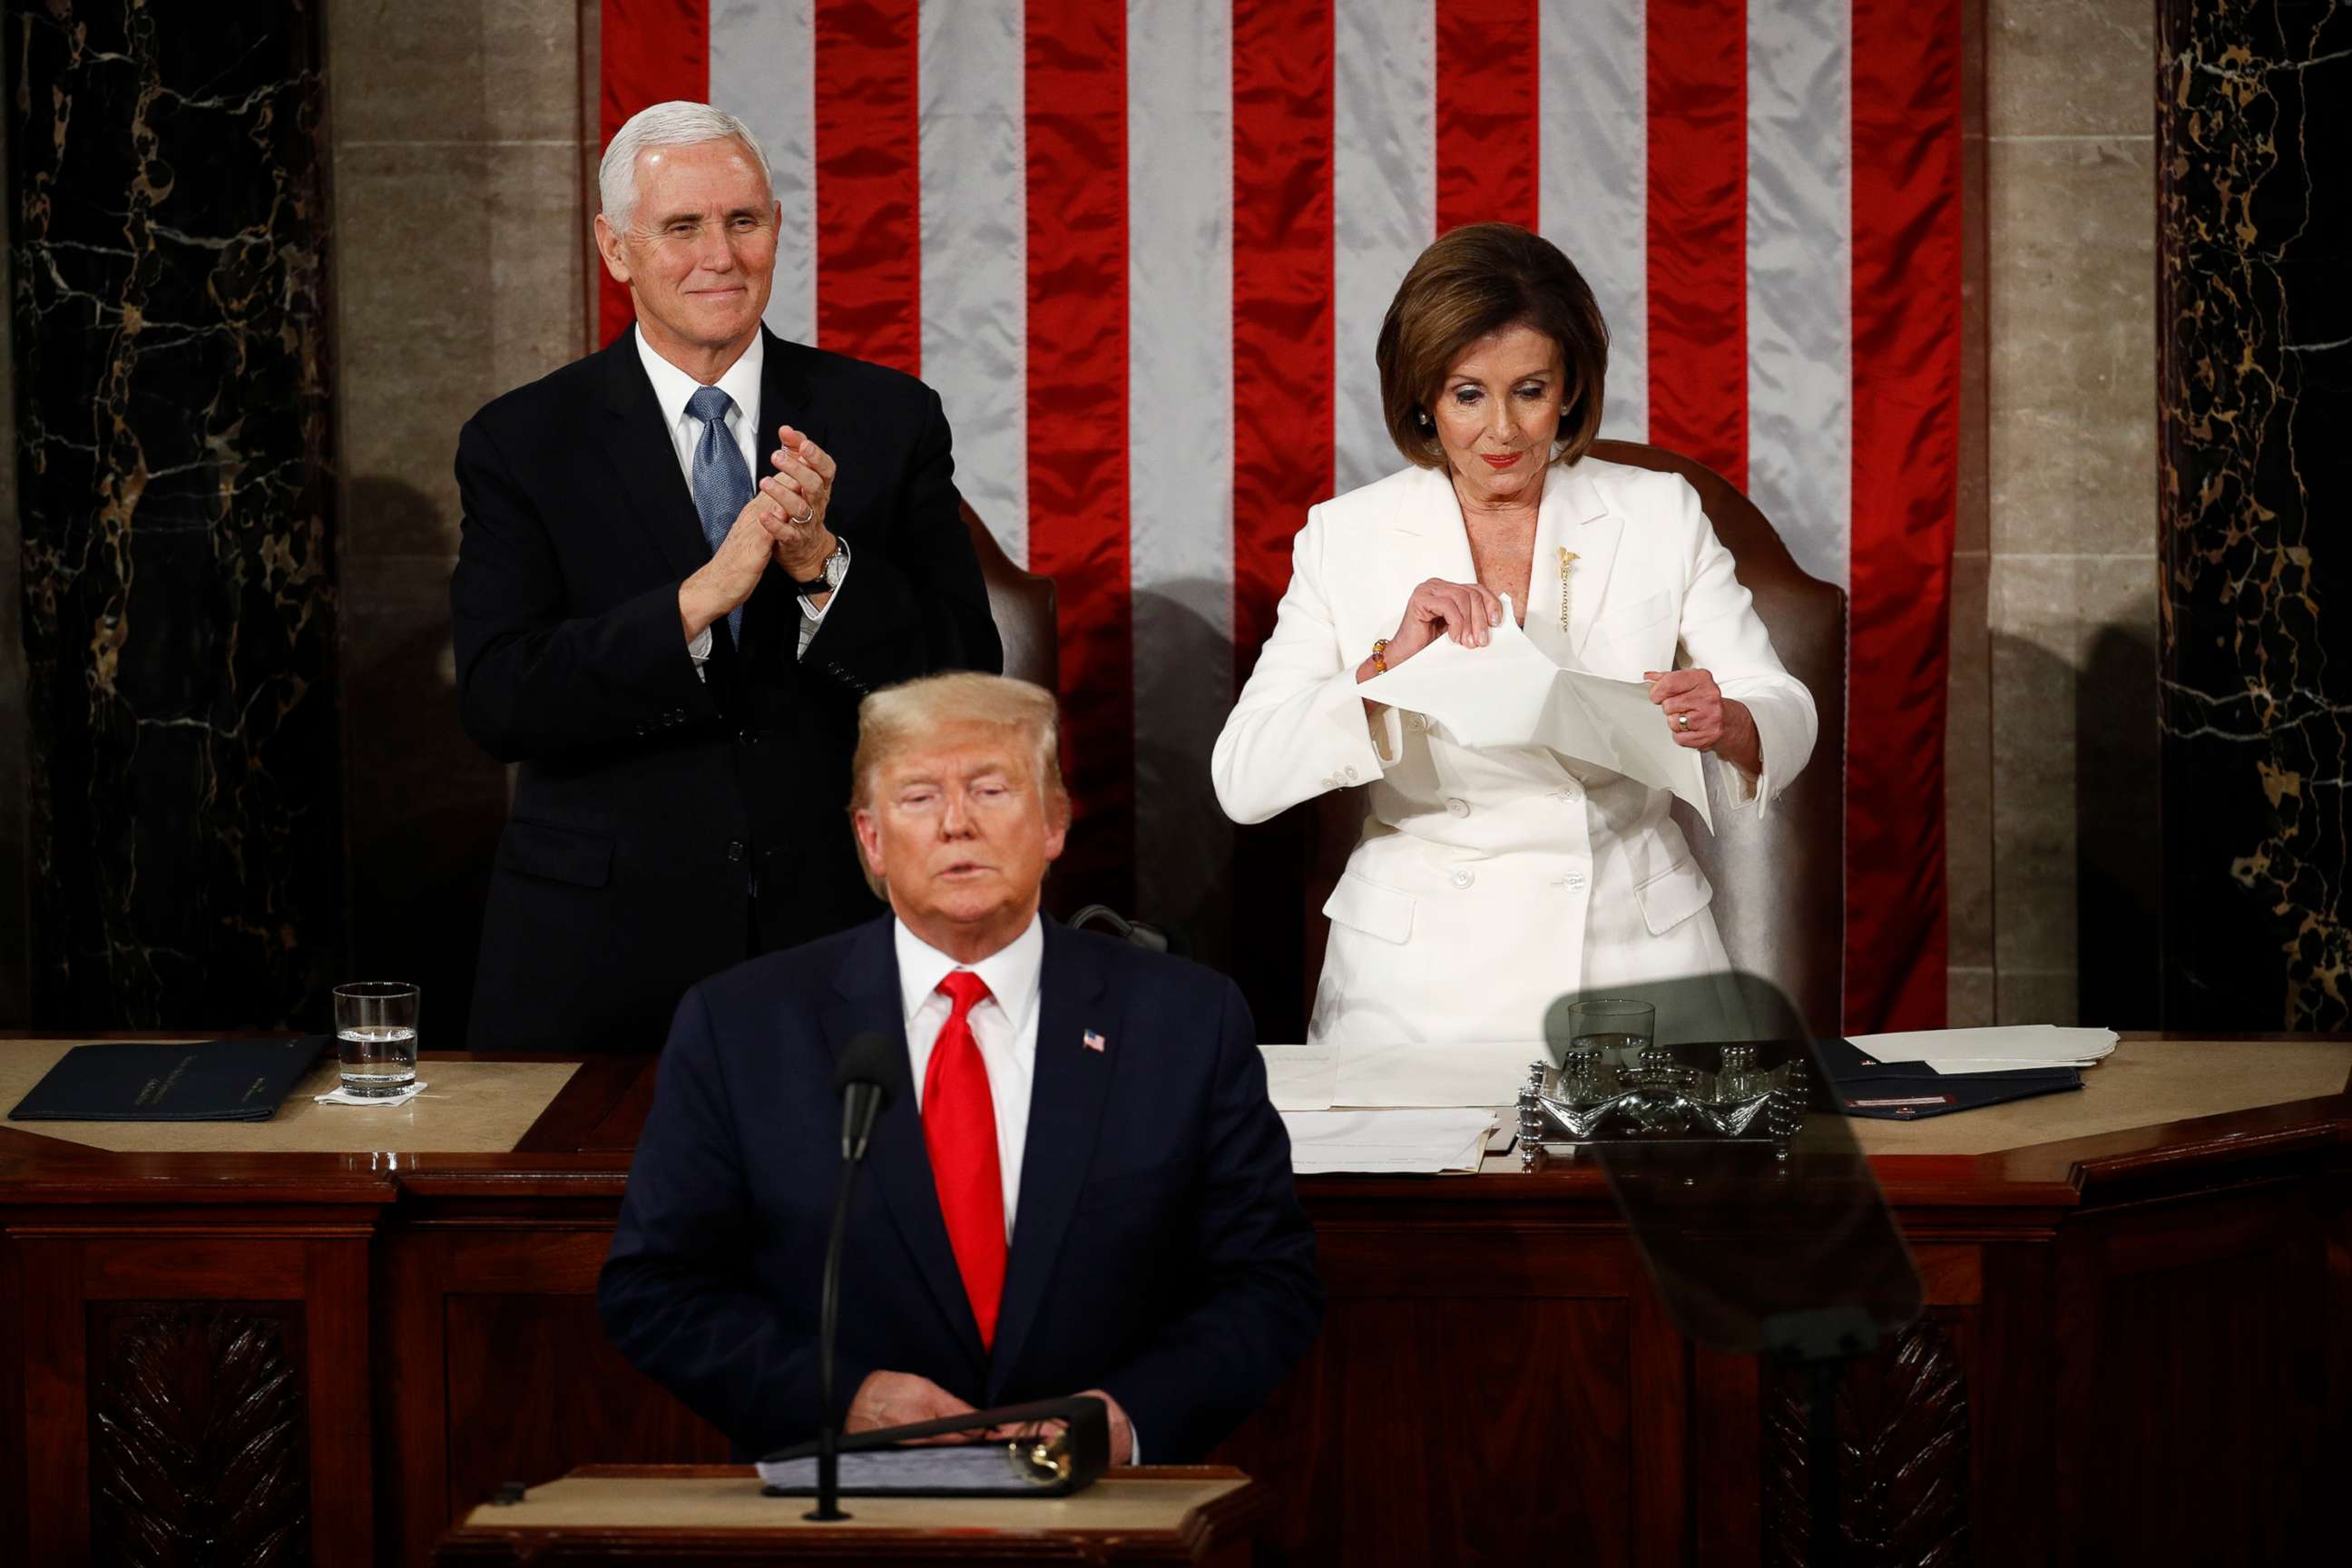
828	1432
865	1077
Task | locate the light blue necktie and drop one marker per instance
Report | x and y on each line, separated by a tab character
721	484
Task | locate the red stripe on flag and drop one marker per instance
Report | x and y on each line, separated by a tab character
652	51
869	181
1698	231
1906	378
1074	83
1284	434
1282	324
1488	88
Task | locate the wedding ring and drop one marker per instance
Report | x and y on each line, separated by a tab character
1682	721
803	521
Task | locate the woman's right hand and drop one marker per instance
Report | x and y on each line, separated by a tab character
1462	611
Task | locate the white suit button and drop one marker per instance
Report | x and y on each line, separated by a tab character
1350	774
1463	877
1573	881
1458	807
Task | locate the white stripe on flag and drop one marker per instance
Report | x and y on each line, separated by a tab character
975	277
1179	414
1799	273
761	55
1384	204
1594	172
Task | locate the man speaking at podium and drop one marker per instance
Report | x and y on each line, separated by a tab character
1086	1191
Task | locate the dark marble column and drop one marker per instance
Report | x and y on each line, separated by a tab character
166	182
2254	241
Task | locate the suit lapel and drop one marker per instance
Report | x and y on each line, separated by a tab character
868	998
1587	527
642	457
1068	1085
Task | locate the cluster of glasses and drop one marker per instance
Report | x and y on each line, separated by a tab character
1638	1091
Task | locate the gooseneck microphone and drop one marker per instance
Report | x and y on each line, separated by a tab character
872	1068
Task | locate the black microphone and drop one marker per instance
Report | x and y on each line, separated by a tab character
871	1071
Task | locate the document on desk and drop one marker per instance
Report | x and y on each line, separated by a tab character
1510	693
1364	1073
2005	1049
1389	1142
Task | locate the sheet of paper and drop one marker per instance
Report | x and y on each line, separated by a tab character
1997	1064
1975	1050
1510	693
1300	1078
1395	1142
1357	1074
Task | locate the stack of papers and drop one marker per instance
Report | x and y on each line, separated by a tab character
1419	1074
2007	1048
1393	1142
1510	693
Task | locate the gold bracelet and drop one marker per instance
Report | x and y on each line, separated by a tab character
1379	648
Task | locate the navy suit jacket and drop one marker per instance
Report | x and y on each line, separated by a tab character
1158	1251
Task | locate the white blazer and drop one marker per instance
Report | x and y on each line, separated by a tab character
1488	883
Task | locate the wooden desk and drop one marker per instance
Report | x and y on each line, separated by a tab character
2139	1344
715	1514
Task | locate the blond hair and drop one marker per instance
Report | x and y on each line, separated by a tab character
898	718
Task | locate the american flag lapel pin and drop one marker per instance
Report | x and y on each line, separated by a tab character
1094	1041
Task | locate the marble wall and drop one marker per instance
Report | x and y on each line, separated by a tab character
175	499
457	149
2055	839
2254	232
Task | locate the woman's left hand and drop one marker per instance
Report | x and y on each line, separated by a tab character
1702	719
1693	704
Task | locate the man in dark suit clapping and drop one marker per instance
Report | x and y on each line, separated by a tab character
683	561
1087	1192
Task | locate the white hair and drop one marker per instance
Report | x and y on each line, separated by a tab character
677	124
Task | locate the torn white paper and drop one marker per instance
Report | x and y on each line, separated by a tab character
1510	693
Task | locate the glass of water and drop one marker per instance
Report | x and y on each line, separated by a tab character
375	1035
1615	1029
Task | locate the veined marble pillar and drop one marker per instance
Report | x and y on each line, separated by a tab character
2254	241
169	221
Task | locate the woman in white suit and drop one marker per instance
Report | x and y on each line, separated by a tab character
1487	883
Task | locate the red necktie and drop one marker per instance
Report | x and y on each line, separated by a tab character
960	1129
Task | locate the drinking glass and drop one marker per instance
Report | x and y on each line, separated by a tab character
375	1035
1617	1030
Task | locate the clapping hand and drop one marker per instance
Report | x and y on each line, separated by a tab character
802	490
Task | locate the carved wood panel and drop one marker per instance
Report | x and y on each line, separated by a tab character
198	1435
1902	1432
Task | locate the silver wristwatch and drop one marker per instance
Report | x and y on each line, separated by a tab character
837	567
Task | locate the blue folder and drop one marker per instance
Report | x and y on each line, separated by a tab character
1904	1091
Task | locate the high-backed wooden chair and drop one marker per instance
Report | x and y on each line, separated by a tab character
1021	603
1780	887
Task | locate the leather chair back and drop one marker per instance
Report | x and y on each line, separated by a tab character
1021	603
1780	882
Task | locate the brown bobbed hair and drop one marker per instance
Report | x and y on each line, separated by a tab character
1477	279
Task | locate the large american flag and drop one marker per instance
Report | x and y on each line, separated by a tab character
1142	250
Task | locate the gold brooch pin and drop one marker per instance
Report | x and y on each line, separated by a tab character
1567	559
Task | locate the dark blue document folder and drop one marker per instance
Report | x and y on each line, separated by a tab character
1904	1091
209	1081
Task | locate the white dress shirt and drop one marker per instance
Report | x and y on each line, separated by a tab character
673	388
1004	1025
